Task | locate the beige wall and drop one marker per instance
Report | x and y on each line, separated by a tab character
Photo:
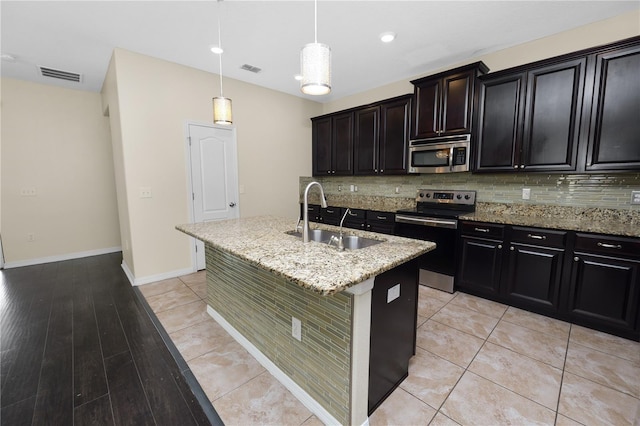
603	32
57	141
154	99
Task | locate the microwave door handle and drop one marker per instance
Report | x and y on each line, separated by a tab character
451	159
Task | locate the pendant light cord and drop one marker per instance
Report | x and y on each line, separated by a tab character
220	46
315	21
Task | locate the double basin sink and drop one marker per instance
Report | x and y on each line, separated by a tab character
350	242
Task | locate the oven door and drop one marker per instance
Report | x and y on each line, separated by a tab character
437	267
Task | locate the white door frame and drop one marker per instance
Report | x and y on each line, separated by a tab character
187	151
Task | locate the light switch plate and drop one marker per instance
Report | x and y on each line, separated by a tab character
526	193
296	328
635	197
145	192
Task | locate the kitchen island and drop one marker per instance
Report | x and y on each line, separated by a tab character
259	278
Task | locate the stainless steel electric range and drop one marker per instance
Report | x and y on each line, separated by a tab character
435	218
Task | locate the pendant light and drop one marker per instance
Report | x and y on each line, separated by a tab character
221	105
315	64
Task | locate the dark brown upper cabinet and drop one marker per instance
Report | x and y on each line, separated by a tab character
381	137
614	128
529	119
444	102
332	144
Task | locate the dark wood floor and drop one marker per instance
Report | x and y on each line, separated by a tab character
79	346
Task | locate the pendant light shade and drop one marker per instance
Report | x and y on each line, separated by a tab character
315	63
222	111
221	105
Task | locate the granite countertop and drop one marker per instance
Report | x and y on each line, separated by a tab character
317	266
581	219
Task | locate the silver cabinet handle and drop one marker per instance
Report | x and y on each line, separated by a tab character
382	217
232	204
537	237
575	259
515	167
352	213
330	211
480	230
606	245
512	248
499	246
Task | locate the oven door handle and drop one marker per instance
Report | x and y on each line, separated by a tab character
440	223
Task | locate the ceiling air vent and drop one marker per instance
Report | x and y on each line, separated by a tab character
60	75
251	68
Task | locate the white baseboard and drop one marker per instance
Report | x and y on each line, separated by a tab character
307	400
153	278
61	257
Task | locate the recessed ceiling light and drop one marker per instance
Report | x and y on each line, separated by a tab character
387	37
297	77
216	49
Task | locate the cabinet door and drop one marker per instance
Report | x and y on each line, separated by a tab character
500	123
457	104
342	144
534	276
480	266
365	160
614	125
604	292
394	137
321	144
552	117
425	122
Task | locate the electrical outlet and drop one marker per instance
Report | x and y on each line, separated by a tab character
393	293
397	190
296	328
526	193
635	197
145	192
31	237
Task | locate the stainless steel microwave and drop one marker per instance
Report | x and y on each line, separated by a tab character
446	154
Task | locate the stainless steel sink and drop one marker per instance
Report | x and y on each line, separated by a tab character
351	242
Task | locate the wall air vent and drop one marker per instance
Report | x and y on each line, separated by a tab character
251	68
60	75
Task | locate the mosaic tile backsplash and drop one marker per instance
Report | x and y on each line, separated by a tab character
596	190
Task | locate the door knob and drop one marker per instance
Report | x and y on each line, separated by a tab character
232	204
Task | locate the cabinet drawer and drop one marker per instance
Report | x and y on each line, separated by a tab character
380	217
480	229
611	246
537	236
355	219
331	215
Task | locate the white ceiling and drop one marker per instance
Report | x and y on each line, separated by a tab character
79	36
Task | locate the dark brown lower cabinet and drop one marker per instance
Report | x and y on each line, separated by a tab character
588	279
604	290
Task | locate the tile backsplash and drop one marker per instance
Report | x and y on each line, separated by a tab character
595	190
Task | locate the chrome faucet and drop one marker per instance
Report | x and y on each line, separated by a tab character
323	202
338	240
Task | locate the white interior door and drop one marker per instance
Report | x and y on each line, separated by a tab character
214	176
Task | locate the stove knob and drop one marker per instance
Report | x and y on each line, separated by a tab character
428	195
466	197
459	197
421	195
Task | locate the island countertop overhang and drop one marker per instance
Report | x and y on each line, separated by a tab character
262	241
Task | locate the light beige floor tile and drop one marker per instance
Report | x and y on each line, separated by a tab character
442	420
463	319
477	401
566	421
421	320
431	378
540	346
613	345
200	289
225	369
448	343
183	316
261	401
593	404
171	299
478	304
608	370
312	421
159	287
557	328
525	376
402	408
432	293
427	306
200	338
199	277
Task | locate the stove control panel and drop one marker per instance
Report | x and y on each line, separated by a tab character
446	197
